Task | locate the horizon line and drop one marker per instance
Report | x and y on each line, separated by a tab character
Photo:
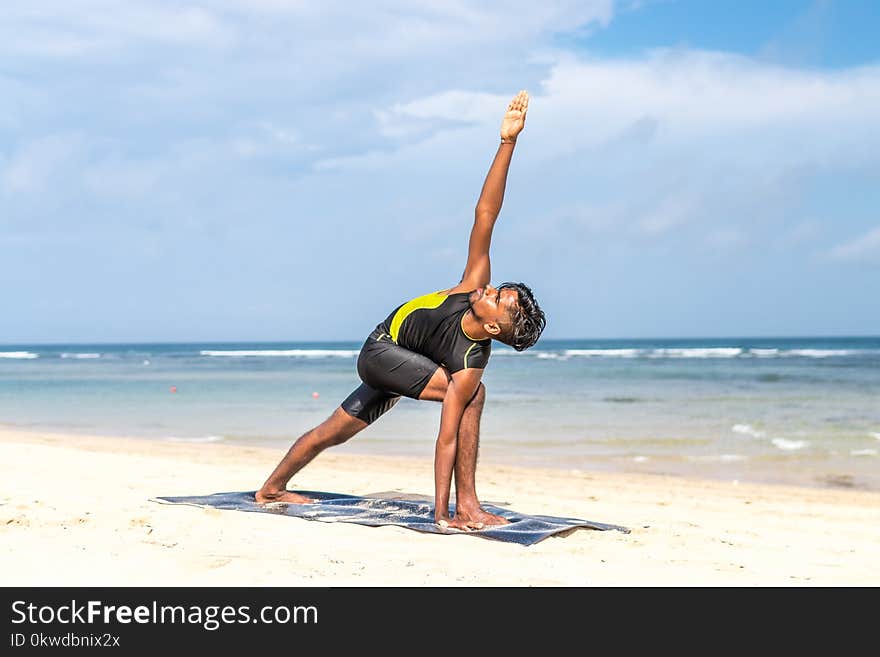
604	339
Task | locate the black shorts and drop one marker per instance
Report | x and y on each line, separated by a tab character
388	371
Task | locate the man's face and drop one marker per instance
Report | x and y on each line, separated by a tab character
492	306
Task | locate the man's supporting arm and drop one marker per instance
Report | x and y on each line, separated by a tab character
461	389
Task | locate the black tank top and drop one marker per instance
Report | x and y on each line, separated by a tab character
431	325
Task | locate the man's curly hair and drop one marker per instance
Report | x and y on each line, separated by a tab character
527	320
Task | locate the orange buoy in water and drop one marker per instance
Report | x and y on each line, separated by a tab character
315	395
173	388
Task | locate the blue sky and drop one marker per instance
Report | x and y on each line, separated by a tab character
293	170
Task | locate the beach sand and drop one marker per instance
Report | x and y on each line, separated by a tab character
76	511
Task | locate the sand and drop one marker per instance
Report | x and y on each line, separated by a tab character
76	510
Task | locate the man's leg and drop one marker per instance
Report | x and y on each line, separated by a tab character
360	409
466	502
335	430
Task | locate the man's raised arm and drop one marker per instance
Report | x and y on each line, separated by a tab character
477	272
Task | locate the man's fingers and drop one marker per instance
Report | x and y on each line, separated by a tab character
520	102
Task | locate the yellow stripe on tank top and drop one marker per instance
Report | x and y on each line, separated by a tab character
468	353
427	301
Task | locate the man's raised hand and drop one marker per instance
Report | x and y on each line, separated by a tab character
515	117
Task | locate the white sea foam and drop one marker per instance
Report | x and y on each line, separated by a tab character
820	353
863	452
18	354
876	434
194	439
789	445
640	459
81	356
685	352
748	430
702	352
289	353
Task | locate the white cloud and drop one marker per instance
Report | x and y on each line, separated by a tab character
427	115
865	248
681	96
730	128
665	142
82	27
697	107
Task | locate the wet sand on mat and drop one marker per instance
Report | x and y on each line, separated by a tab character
75	510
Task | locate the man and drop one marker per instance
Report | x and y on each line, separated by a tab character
435	347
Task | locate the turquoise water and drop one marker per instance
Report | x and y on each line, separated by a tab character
789	410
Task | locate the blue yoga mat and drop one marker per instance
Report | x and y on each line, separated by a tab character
393	509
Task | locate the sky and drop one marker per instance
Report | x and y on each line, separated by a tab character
284	170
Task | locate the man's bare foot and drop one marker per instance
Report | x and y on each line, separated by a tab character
477	514
458	523
267	497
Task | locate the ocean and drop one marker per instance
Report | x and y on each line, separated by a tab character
781	410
